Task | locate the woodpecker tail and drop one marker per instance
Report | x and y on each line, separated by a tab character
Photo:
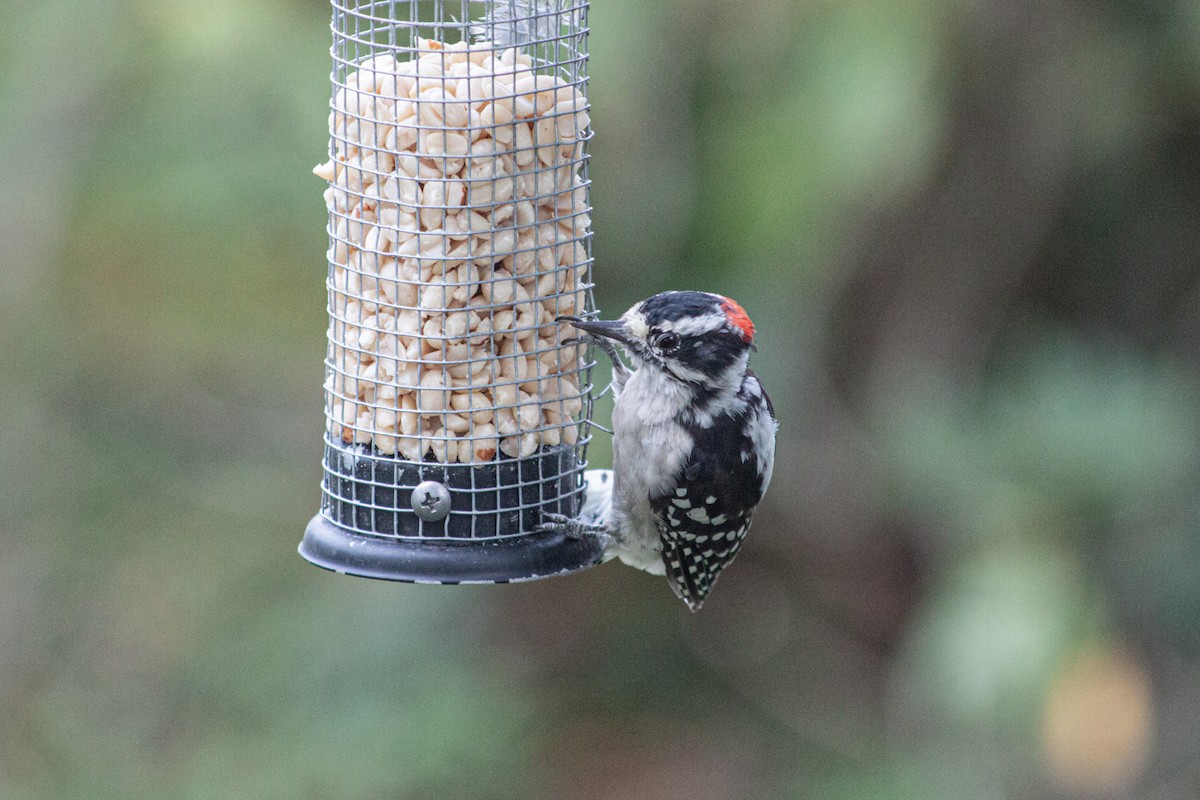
687	572
597	500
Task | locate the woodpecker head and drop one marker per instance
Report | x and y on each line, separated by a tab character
695	338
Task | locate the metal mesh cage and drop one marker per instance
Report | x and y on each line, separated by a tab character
456	407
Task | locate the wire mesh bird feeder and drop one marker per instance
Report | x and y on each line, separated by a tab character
457	410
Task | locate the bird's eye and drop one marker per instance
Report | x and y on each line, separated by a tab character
668	342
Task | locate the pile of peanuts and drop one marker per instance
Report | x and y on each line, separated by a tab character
457	220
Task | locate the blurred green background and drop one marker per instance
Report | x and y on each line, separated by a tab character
969	234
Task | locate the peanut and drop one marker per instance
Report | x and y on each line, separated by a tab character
457	223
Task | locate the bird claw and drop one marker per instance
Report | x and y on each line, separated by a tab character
570	527
620	371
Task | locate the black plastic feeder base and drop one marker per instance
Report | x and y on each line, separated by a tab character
523	558
446	523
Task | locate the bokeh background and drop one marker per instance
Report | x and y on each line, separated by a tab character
969	234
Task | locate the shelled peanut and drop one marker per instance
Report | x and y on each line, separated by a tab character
457	221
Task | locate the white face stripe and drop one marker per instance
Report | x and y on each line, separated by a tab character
635	321
695	326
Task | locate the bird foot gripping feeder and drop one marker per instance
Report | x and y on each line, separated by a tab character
457	409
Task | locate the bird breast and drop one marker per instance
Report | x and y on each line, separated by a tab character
648	447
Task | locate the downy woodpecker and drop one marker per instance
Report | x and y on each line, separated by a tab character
693	439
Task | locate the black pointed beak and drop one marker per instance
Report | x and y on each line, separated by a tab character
609	329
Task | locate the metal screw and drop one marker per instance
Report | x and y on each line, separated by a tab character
431	501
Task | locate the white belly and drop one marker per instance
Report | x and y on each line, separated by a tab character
647	453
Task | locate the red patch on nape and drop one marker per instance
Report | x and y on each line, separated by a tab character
739	319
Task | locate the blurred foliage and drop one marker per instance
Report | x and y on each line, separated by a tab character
969	235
